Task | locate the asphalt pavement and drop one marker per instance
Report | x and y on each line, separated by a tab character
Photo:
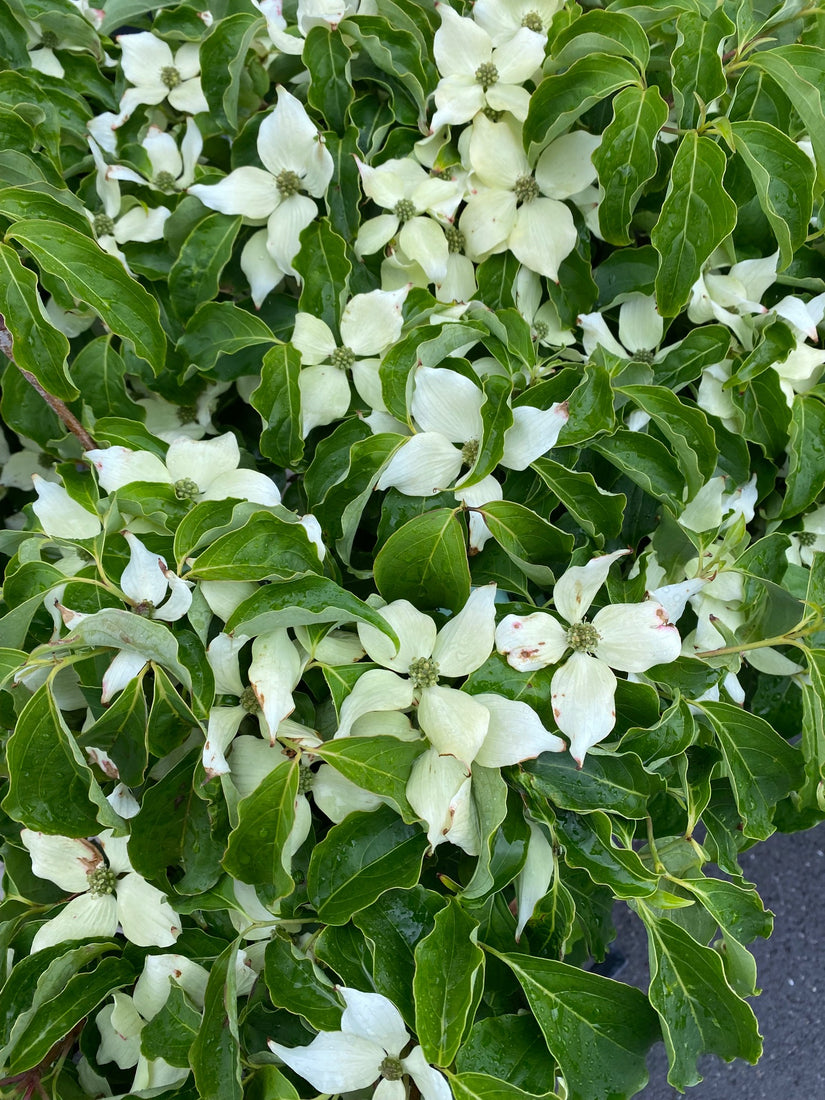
789	873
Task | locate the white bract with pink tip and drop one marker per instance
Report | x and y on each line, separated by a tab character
629	637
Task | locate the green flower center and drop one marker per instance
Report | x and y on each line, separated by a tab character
487	75
165	181
469	452
392	1069
288	183
249	700
186	489
101	881
342	357
644	355
187	414
103	225
49	40
583	637
424	672
493	116
540	328
806	538
455	239
526	189
306	777
404	210
170	76
532	21
144	608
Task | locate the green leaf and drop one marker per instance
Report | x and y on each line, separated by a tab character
425	562
330	89
175	831
215	1055
397	53
223	56
480	1086
699	1012
37	347
588	845
303	601
119	629
170	1033
378	764
51	788
54	1020
265	547
762	767
601	32
805	479
646	461
395	924
626	158
196	273
94	277
170	719
121	732
696	216
697	73
222	328
43	201
598	1030
295	983
765	413
784	179
278	400
260	841
559	100
358	860
616	783
599	513
502	831
99	372
508	1046
420	348
447	965
528	539
496	418
685	428
813	731
686	360
323	263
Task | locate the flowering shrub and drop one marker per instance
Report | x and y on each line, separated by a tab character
413	492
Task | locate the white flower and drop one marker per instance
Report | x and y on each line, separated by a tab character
59	515
310	13
805	543
715	507
156	74
368	1046
370	323
503	19
173	169
409	193
731	298
627	637
109	892
640	328
146	580
447	408
297	164
196	469
168	421
513	207
475	74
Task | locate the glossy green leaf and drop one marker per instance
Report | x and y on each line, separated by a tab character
685	428
699	1012
696	216
223	55
529	540
265	547
36	345
480	1086
626	158
447	965
420	348
696	67
295	983
278	400
121	732
598	1030
378	764
805	479
51	787
358	860
215	1055
196	273
599	513
330	91
511	1047
601	32
613	782
170	1033
686	360
647	462
588	844
222	328
98	279
323	264
425	562
259	846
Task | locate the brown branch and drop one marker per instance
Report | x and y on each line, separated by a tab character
54	403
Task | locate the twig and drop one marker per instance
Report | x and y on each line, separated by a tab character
54	403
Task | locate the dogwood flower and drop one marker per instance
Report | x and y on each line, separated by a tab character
310	13
808	541
297	165
173	169
157	74
112	228
59	515
109	892
447	407
367	1047
145	582
476	74
627	637
733	297
512	207
196	469
370	323
503	19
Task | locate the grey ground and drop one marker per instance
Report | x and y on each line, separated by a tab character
789	872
